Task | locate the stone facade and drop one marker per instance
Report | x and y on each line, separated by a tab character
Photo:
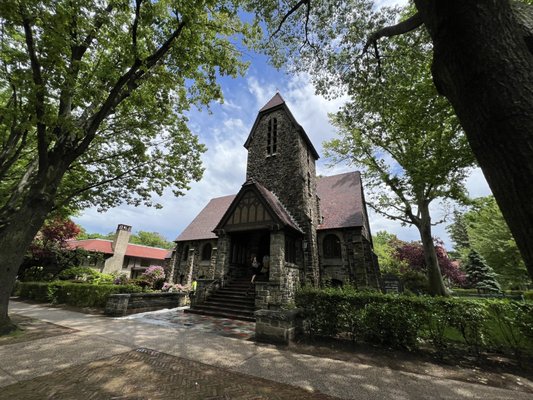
278	216
294	161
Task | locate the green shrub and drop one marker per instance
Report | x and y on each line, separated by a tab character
35	274
507	317
75	294
78	273
468	317
392	324
415	282
403	321
37	291
528	295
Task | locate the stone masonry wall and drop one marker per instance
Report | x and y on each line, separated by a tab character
191	264
296	164
356	266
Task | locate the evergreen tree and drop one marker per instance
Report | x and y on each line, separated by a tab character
480	275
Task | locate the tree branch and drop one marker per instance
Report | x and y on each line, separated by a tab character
76	193
408	25
123	87
39	93
134	28
290	12
390	216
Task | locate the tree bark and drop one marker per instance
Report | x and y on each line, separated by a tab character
483	65
436	284
17	234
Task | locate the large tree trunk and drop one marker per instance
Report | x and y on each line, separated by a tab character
483	65
436	284
17	234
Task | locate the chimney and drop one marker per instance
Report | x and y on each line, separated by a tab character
119	245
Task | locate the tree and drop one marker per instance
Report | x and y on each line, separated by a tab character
480	275
406	139
412	255
459	234
490	237
153	239
49	249
482	63
93	97
385	245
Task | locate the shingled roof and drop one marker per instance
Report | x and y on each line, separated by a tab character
341	200
341	205
202	226
105	246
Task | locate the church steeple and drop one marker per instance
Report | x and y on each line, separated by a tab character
273	102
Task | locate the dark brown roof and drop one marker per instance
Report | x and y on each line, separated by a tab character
204	223
341	200
341	205
277	100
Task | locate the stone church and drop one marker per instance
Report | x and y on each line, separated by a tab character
305	229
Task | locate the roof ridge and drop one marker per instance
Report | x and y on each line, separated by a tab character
150	247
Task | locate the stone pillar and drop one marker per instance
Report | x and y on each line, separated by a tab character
213	262
222	257
190	265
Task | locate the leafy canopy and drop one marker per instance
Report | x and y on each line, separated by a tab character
102	89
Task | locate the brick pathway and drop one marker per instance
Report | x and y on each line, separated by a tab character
147	374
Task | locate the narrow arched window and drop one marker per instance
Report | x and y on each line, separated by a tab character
185	253
332	246
206	252
272	136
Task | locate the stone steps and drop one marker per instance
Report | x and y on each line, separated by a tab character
230	301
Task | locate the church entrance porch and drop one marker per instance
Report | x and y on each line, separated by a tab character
244	246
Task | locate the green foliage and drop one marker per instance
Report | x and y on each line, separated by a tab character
75	294
490	236
86	274
153	239
404	321
94	96
528	295
480	275
391	324
35	273
37	291
384	247
415	282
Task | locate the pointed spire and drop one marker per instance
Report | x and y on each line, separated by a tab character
273	102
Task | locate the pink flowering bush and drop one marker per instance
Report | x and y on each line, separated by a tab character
154	275
174	287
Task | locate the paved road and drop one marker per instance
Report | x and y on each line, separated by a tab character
119	342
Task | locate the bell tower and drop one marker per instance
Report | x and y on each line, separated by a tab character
282	159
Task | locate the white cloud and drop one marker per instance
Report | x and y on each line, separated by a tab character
224	132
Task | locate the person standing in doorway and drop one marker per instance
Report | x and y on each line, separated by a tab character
255	270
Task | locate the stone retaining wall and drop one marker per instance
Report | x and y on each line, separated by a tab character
130	303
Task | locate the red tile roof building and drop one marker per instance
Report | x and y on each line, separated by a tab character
120	256
310	229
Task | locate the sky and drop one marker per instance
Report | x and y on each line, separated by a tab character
224	131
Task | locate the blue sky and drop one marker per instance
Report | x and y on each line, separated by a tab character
224	132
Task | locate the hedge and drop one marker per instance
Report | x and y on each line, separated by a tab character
74	294
401	321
